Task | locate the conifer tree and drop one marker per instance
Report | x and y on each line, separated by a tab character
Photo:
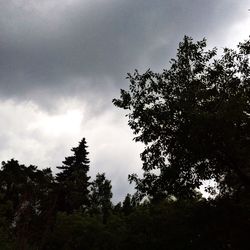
73	180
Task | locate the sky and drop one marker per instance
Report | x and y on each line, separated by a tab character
63	61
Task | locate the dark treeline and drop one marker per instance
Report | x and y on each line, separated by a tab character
194	121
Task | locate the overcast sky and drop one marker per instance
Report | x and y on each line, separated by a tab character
63	61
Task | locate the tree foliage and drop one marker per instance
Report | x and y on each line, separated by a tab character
26	195
193	119
100	196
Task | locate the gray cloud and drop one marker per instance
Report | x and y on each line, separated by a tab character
86	46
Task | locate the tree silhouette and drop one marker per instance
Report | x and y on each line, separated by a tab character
194	121
27	195
128	205
100	196
73	180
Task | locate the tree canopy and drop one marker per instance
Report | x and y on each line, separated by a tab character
194	119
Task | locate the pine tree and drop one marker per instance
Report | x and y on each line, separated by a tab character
73	181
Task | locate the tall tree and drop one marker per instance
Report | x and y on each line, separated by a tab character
73	180
194	119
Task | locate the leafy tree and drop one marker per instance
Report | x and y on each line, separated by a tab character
100	196
117	209
194	121
128	204
26	197
73	180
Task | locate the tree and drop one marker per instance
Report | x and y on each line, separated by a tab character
27	195
128	205
73	180
100	196
194	121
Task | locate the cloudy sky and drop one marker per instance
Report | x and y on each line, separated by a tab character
63	61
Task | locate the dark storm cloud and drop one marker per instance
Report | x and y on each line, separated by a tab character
90	45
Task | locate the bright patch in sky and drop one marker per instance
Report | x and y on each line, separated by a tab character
56	125
240	31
